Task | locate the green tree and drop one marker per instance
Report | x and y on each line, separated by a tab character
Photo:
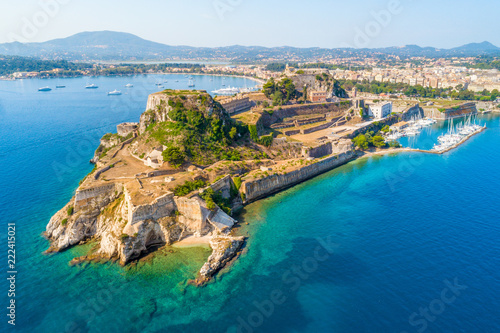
174	156
361	142
287	88
269	88
233	132
277	98
378	141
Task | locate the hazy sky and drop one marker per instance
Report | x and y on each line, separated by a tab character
322	23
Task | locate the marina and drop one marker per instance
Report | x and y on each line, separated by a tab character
457	134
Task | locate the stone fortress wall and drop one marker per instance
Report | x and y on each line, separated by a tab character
259	188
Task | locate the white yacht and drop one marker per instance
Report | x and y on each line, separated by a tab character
130	85
114	93
91	86
45	89
226	91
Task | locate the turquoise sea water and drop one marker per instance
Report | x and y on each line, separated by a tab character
359	249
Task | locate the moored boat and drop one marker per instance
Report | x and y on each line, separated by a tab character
114	93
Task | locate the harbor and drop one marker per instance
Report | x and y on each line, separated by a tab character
432	136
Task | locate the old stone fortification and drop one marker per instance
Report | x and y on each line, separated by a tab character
160	207
330	109
288	149
84	197
413	112
125	129
317	128
450	113
375	126
299	122
319	151
236	104
126	230
259	188
223	186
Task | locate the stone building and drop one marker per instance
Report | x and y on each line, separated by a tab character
380	110
125	129
316	96
236	104
155	158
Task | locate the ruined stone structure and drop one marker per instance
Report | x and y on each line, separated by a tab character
125	129
318	151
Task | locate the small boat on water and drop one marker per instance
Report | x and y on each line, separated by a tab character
114	93
91	86
191	83
130	85
60	86
44	89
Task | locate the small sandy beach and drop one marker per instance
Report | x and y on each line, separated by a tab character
193	241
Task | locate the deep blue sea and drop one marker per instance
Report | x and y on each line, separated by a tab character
402	243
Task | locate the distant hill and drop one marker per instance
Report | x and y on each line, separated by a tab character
477	48
109	45
101	45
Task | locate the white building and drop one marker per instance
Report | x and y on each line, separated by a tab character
155	158
380	110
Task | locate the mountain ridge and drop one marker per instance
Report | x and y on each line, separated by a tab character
111	45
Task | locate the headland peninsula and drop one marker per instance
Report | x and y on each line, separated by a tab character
183	172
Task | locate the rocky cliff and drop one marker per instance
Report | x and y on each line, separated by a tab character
161	104
127	230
